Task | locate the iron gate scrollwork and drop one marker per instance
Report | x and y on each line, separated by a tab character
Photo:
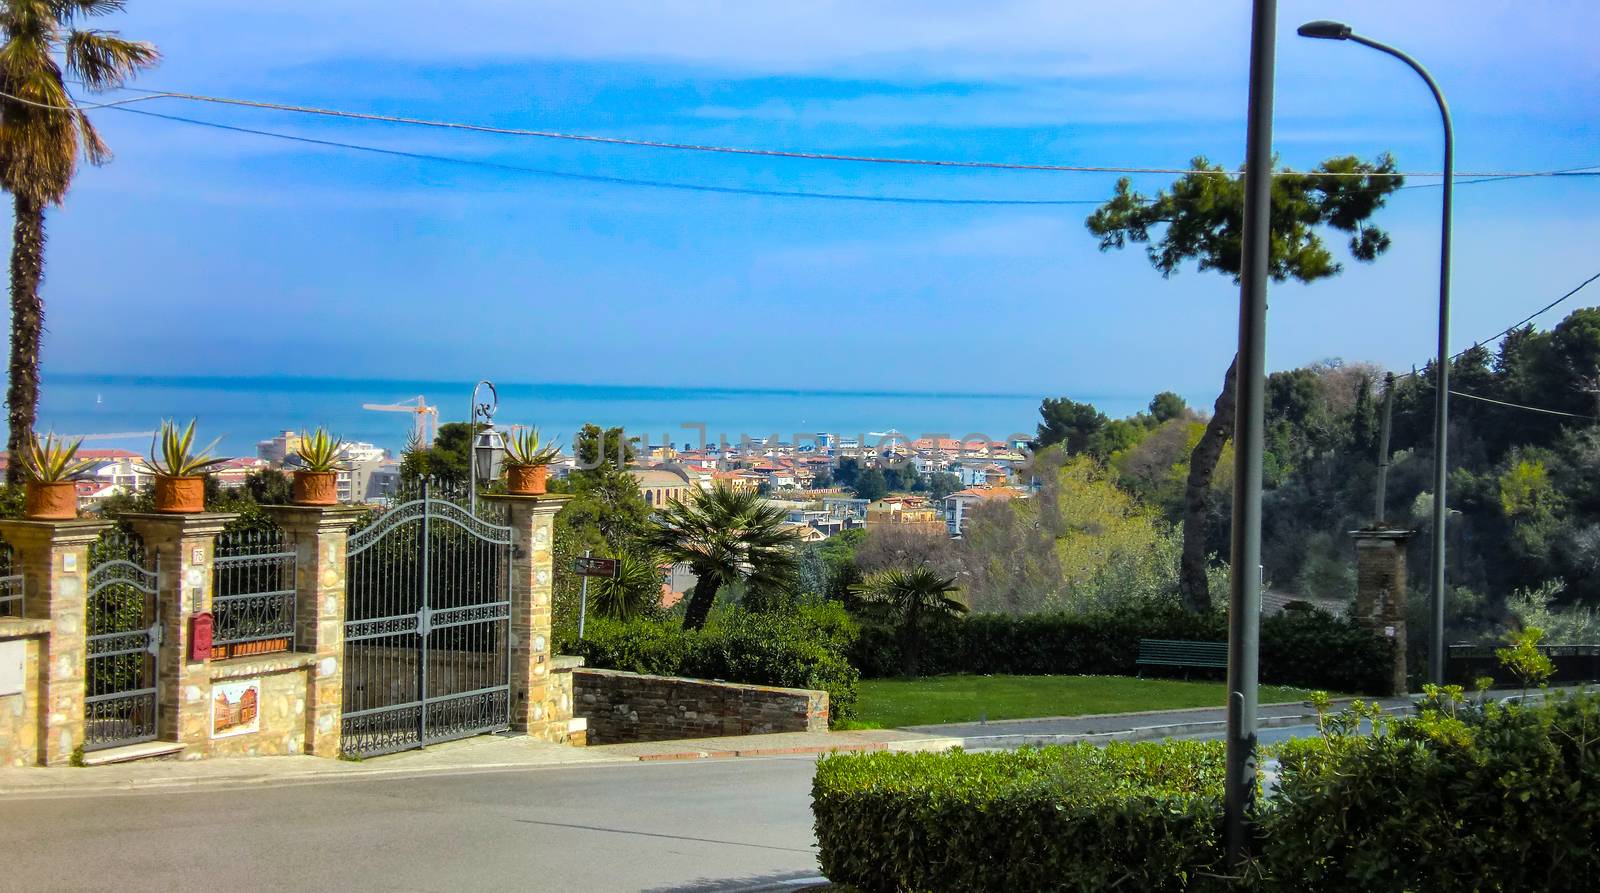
427	627
124	635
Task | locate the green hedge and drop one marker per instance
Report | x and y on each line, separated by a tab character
1470	799
805	649
1305	649
1476	799
1125	816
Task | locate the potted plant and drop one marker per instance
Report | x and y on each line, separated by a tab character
51	466
528	463
180	486
316	481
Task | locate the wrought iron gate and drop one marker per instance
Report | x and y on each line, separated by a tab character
124	636
427	627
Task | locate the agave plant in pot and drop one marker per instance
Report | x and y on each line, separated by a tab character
316	480
51	466
528	463
179	469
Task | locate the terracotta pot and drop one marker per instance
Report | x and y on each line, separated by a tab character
316	488
180	495
51	500
526	480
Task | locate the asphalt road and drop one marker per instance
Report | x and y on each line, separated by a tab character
709	825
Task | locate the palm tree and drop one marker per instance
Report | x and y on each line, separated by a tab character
40	135
634	590
908	596
725	536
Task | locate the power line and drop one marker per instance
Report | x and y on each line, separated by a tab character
151	95
1508	330
1526	319
657	184
621	181
1570	415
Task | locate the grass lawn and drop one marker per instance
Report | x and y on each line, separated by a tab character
891	703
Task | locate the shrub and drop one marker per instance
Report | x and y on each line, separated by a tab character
1476	797
805	649
1305	649
1462	797
1141	816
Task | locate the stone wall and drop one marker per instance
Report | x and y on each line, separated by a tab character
622	707
19	709
281	711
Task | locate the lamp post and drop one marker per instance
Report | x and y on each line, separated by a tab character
488	447
1325	30
1244	580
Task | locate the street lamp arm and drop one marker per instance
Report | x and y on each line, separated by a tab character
1433	86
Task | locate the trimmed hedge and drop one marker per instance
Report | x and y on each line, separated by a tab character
1481	798
1304	649
1469	798
804	650
1126	816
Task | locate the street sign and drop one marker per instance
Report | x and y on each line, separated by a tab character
595	567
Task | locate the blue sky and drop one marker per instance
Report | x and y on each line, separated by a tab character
206	252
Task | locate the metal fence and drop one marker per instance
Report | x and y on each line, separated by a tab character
253	594
11	603
1464	664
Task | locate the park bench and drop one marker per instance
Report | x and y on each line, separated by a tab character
1178	653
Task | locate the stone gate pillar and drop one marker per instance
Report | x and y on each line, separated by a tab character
53	558
1381	590
538	706
320	536
185	546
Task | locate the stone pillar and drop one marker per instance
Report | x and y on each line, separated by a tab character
537	706
320	536
53	557
1381	590
184	545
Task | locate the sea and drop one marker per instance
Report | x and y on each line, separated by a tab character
123	410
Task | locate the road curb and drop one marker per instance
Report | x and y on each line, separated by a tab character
1139	733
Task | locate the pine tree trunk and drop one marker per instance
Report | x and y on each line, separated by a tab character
705	595
27	322
1192	582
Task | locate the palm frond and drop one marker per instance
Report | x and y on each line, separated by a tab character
104	61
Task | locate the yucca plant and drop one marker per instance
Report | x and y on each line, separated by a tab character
524	448
49	460
171	453
320	451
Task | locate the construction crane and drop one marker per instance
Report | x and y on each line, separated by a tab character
426	422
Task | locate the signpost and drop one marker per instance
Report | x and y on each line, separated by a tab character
587	567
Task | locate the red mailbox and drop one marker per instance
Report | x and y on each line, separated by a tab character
200	636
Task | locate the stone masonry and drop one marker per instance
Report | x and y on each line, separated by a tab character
1381	590
320	538
625	707
184	545
537	707
53	557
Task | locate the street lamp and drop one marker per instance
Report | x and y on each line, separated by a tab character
488	446
1325	30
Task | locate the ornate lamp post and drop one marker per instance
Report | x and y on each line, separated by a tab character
488	446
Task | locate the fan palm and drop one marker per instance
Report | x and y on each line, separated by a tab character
909	596
40	136
725	536
635	590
